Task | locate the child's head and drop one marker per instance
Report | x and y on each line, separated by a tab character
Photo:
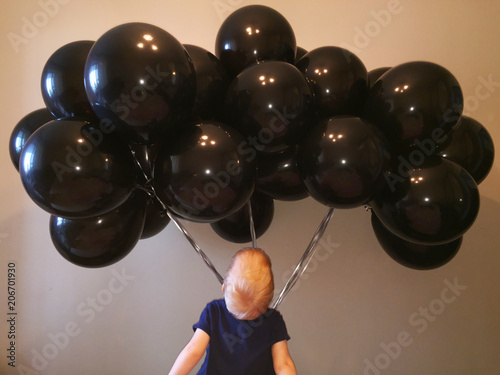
249	284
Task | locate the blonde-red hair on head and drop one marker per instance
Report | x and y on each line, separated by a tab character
249	284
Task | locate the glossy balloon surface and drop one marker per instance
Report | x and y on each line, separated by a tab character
375	74
74	169
236	227
254	33
341	161
62	82
431	205
102	240
471	146
339	80
271	103
212	81
145	156
300	52
415	102
412	255
203	176
278	176
156	219
139	76
23	130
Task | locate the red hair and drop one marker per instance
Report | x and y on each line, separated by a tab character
249	284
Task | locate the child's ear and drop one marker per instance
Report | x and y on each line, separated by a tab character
223	287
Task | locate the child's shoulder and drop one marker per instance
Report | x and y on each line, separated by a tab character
216	304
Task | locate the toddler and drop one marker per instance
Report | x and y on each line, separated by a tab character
240	333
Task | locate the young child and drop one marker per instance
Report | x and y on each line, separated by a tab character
240	334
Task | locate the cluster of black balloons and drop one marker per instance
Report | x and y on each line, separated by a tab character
137	123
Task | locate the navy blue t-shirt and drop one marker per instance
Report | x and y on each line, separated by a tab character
239	347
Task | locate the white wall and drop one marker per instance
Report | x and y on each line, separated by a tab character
350	303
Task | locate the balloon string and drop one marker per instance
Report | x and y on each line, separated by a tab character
151	191
252	225
306	258
193	243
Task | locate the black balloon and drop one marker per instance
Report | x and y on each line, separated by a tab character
432	204
339	80
156	219
300	52
278	176
375	74
204	175
212	81
471	146
271	104
145	156
139	76
236	227
74	168
415	102
102	240
254	33
23	130
62	83
341	161
412	255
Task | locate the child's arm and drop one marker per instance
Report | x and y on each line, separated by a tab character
191	354
283	363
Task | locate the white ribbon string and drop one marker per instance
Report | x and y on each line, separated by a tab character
306	258
299	269
252	225
150	189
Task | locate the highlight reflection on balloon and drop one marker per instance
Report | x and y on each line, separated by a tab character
415	102
102	240
140	77
63	88
278	176
471	146
271	104
203	176
23	130
430	205
252	34
74	168
339	80
212	81
341	161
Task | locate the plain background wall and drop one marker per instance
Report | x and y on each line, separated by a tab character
353	300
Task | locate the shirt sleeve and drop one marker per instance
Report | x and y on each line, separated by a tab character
205	320
279	331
